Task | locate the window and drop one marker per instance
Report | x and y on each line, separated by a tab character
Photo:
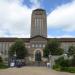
36	45
43	45
33	45
40	45
28	46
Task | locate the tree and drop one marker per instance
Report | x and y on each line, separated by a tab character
53	48
71	50
73	61
1	59
19	48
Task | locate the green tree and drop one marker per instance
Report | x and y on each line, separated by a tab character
73	61
71	50
1	59
19	48
53	48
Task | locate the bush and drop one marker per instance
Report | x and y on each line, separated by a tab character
73	61
2	65
64	65
1	59
57	67
68	69
62	62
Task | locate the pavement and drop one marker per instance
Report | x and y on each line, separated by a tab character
32	71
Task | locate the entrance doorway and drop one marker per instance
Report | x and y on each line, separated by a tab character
38	56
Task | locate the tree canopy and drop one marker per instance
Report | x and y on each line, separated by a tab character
1	59
19	49
53	48
71	50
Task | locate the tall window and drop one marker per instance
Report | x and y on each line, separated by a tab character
33	45
40	45
43	45
36	45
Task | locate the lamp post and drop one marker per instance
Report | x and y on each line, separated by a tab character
0	54
65	56
15	58
50	59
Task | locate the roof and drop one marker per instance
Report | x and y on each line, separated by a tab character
38	36
28	39
39	9
13	39
64	39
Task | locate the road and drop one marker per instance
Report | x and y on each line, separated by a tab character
32	71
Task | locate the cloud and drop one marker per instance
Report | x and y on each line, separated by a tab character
62	36
15	19
35	3
63	17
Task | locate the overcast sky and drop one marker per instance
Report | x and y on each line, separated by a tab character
15	17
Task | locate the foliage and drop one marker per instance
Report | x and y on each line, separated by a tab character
19	48
65	65
53	48
62	62
71	50
73	61
57	67
3	66
68	69
1	59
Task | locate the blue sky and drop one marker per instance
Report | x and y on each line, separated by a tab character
15	17
48	5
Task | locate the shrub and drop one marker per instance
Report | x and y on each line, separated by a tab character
68	69
1	59
65	65
62	62
57	67
73	61
2	65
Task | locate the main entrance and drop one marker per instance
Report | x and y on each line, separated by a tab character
38	56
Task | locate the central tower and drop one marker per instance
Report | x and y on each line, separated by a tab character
39	23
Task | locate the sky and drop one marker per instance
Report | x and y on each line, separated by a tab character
15	17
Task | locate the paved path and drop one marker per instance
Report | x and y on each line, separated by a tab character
31	71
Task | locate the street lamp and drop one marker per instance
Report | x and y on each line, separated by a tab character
65	56
50	59
0	54
15	58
